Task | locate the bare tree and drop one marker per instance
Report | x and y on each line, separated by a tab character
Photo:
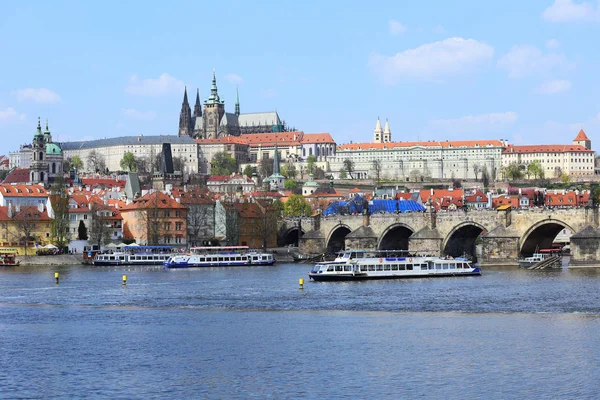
100	228
24	219
96	162
60	209
200	222
377	171
476	171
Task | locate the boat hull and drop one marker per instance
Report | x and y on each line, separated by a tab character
365	276
175	265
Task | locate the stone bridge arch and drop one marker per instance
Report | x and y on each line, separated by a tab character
541	235
336	240
291	236
395	237
461	239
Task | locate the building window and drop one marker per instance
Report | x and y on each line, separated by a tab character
178	226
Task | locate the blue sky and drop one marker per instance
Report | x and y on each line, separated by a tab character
526	71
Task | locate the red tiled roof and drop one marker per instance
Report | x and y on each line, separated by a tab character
22	190
310	138
18	175
223	140
25	213
104	182
546	148
581	136
394	145
152	200
269	139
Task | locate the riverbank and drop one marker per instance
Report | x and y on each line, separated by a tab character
63	259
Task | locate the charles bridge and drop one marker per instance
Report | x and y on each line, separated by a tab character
504	236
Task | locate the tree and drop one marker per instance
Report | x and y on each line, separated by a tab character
291	171
415	174
377	171
200	220
60	208
296	206
248	171
476	171
223	164
96	161
82	232
290	184
310	163
558	172
266	167
456	183
77	163
143	165
535	168
100	227
24	220
485	177
343	174
128	162
513	172
349	167
565	178
179	163
319	173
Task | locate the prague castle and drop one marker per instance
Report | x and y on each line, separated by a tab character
210	120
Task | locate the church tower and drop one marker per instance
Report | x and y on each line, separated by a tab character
378	132
583	140
387	133
214	109
237	102
185	117
39	165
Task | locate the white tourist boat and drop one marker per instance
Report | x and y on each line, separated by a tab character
135	255
220	256
539	256
353	265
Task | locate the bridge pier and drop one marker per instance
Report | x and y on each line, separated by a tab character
500	246
585	248
426	240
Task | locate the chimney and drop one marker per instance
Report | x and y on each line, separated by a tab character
431	192
41	207
10	210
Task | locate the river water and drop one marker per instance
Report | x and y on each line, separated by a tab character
252	333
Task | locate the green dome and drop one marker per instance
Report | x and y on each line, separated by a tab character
52	148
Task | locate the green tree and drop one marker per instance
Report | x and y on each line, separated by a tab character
514	172
76	163
343	174
310	163
291	171
349	167
296	206
248	171
223	164
535	168
128	162
485	177
290	184
59	200
96	161
82	233
565	178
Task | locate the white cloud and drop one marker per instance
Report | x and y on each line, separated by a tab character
10	114
570	11
163	85
234	79
396	28
506	118
552	44
554	86
524	60
432	60
141	115
37	95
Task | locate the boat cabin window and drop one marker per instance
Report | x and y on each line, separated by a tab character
371	267
347	268
395	267
423	267
339	268
379	267
387	267
445	266
330	268
409	267
438	266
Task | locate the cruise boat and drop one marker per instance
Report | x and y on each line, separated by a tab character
224	256
8	258
354	265
135	255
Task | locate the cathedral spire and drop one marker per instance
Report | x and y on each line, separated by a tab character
197	106
185	117
378	132
214	93
237	101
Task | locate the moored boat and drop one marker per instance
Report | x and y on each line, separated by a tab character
8	259
224	256
354	265
135	255
538	257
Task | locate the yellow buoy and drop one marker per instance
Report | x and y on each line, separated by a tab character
56	277
301	283
124	280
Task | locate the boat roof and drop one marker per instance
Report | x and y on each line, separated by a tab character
148	247
220	248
